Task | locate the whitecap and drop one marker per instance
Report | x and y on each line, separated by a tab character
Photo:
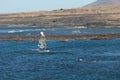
76	32
14	31
28	30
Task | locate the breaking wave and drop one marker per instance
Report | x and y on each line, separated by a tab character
14	31
76	32
20	30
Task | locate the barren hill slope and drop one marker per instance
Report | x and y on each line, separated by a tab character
93	17
104	3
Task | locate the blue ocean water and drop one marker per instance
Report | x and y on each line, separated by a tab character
72	60
13	31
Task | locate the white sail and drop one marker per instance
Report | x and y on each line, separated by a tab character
42	42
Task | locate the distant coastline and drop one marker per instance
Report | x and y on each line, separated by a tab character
90	17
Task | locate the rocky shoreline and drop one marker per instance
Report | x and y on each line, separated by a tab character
63	38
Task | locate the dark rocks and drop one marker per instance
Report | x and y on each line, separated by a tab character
64	38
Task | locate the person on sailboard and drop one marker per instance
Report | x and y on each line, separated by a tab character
42	41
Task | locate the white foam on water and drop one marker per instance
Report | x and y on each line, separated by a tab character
20	30
27	30
76	32
41	51
14	31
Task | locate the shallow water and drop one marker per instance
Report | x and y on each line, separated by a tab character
72	60
12	31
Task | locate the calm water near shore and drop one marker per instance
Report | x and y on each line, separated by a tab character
53	31
72	60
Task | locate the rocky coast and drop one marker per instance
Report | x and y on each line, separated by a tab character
63	38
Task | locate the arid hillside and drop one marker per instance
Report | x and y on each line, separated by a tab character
104	3
91	17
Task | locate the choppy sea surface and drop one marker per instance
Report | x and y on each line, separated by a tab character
72	60
13	31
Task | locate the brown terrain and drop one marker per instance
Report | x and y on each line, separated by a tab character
104	3
90	17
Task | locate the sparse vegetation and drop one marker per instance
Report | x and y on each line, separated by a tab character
93	17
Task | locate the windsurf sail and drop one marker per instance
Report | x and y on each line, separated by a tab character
42	41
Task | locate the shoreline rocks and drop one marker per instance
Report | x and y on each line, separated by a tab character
63	38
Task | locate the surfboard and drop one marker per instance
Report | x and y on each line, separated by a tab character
49	51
